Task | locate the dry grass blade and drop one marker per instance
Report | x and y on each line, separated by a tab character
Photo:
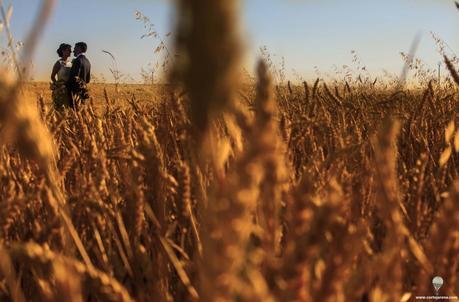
34	36
179	268
6	23
124	235
121	251
452	70
411	54
76	238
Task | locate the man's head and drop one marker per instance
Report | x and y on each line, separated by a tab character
80	48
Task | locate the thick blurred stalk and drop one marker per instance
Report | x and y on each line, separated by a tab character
208	51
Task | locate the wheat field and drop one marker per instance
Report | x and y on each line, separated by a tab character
214	190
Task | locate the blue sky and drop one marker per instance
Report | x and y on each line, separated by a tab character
306	33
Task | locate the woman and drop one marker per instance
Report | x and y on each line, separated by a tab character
59	77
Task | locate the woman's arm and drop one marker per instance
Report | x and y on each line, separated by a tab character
56	68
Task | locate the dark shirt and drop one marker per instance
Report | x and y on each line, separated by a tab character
81	68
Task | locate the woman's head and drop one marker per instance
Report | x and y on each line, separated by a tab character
64	50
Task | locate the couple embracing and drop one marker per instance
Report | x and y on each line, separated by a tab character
69	78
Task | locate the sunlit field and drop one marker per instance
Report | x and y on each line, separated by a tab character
213	189
122	92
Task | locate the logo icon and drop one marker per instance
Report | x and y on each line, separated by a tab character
437	283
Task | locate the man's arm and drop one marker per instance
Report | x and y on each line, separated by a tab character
75	70
89	73
74	73
87	70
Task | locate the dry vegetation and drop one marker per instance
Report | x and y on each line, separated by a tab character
283	193
121	94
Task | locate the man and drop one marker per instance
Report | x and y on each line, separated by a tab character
80	74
